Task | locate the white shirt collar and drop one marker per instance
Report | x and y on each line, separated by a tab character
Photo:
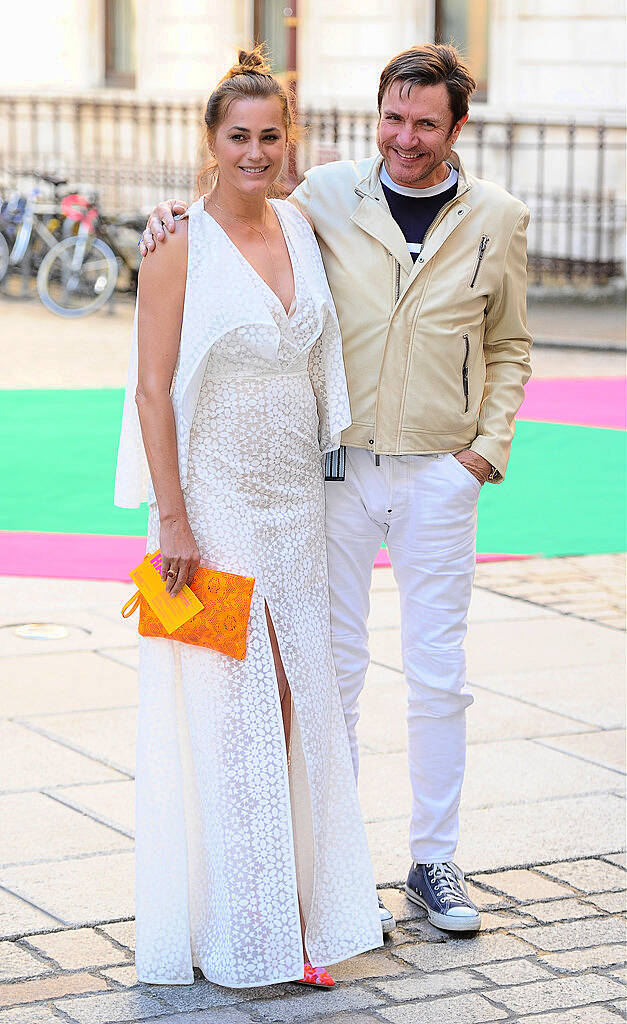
419	193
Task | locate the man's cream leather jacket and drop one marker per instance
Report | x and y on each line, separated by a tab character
436	352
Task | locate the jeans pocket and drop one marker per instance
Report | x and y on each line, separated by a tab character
460	468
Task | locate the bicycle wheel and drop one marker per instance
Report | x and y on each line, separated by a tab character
77	276
4	256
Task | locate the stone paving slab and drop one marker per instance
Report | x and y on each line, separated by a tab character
523	885
467	1009
463	952
616	858
107	735
561	910
547	774
572	961
295	1008
227	1015
530	644
605	748
203	995
487	606
496	716
58	683
589	876
591	694
122	932
38	828
529	833
576	934
111	1007
30	761
612	902
344	1018
18	963
26	1015
585	1015
52	987
424	986
368	965
80	890
79	948
18	917
560	993
29	595
513	972
112	803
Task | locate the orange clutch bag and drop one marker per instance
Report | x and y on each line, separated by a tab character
222	621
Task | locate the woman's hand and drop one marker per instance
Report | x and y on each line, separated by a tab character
161	218
180	556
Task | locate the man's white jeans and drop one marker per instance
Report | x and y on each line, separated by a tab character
424	508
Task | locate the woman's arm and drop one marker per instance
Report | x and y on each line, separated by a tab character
160	315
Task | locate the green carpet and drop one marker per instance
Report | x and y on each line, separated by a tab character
564	493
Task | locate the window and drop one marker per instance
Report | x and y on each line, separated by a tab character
270	28
465	24
120	43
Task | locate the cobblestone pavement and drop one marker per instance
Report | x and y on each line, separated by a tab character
591	587
551	952
542	821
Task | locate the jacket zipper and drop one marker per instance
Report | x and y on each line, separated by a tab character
465	369
483	244
397	281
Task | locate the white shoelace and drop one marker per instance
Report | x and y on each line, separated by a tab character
447	884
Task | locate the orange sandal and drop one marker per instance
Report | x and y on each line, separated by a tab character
316	976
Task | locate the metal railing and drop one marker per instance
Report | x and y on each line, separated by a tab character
570	175
135	152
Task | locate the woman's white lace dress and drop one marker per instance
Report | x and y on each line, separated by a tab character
228	833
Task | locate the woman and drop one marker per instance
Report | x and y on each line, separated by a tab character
251	858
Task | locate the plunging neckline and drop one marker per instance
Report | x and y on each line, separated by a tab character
291	254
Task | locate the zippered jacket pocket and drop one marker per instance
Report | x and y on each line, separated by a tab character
466	341
483	245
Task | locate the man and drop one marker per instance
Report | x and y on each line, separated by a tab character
427	266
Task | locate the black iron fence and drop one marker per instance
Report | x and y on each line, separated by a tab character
135	151
570	174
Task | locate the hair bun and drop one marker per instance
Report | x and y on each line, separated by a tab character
249	62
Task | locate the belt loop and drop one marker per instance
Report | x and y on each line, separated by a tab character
377	460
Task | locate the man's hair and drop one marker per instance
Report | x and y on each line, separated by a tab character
431	64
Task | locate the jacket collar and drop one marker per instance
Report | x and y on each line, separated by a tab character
373	213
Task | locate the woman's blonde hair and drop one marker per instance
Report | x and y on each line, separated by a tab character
249	79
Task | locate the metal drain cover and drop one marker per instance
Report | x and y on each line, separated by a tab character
41	631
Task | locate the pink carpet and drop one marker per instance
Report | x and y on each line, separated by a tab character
580	401
70	556
85	556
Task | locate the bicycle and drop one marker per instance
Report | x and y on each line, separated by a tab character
79	273
29	227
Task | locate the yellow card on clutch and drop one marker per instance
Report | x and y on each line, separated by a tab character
172	612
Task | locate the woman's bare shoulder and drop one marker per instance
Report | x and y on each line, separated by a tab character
168	263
